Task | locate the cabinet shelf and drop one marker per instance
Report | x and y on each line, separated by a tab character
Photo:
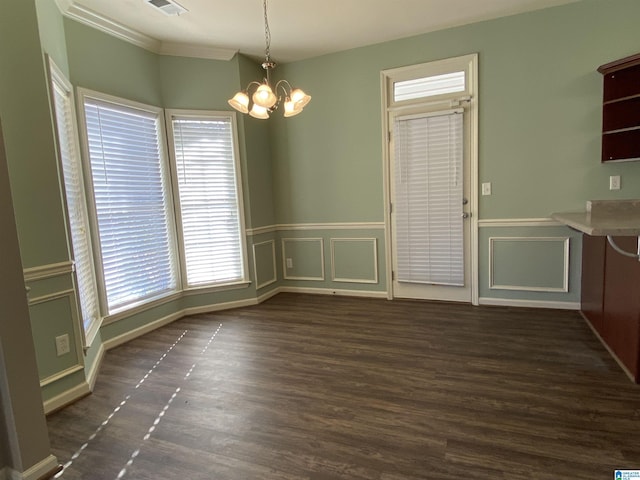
621	109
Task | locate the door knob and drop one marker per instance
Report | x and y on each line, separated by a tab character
466	215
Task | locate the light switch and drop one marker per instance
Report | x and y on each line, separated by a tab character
486	188
614	182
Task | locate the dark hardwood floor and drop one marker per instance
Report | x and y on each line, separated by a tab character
328	388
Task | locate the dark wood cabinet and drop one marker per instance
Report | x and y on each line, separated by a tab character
611	298
621	109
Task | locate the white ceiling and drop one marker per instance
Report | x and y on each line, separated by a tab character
299	28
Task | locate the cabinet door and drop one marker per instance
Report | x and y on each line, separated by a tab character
622	304
591	303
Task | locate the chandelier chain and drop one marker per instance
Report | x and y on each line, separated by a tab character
267	33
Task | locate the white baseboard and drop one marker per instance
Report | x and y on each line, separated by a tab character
270	294
249	302
36	472
67	397
137	332
333	291
92	374
509	302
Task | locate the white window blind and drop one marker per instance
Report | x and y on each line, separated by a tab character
132	202
429	86
429	193
76	202
209	208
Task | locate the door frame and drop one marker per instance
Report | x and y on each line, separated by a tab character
387	77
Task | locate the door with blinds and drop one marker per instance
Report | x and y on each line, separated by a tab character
431	171
430	191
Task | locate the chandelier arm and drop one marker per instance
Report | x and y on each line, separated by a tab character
281	84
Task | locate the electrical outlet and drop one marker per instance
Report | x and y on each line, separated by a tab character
614	182
289	263
486	188
62	344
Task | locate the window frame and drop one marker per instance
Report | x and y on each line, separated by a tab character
424	70
170	114
58	79
174	247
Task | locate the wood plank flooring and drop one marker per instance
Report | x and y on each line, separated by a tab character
334	388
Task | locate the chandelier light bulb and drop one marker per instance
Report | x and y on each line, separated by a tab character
264	96
259	112
240	102
299	97
290	108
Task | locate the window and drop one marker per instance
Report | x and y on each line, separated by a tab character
209	213
131	200
78	221
429	86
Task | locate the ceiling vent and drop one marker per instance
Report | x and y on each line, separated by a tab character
168	7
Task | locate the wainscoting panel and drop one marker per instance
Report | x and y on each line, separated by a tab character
303	258
264	263
354	260
51	316
529	262
537	264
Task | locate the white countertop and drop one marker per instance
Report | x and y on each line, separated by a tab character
605	217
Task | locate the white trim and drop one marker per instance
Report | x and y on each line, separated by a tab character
519	222
261	230
284	260
223	287
41	272
93	19
334	291
137	332
374	242
92	374
44	467
67	397
142	307
524	288
255	265
52	296
195	51
283	227
249	302
511	302
331	226
60	375
161	322
270	294
104	24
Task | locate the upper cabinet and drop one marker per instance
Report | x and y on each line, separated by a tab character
621	110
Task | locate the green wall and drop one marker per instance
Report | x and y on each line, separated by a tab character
26	119
539	104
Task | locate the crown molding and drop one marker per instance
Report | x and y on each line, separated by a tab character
104	24
196	51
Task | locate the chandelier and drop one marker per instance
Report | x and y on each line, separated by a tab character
265	98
